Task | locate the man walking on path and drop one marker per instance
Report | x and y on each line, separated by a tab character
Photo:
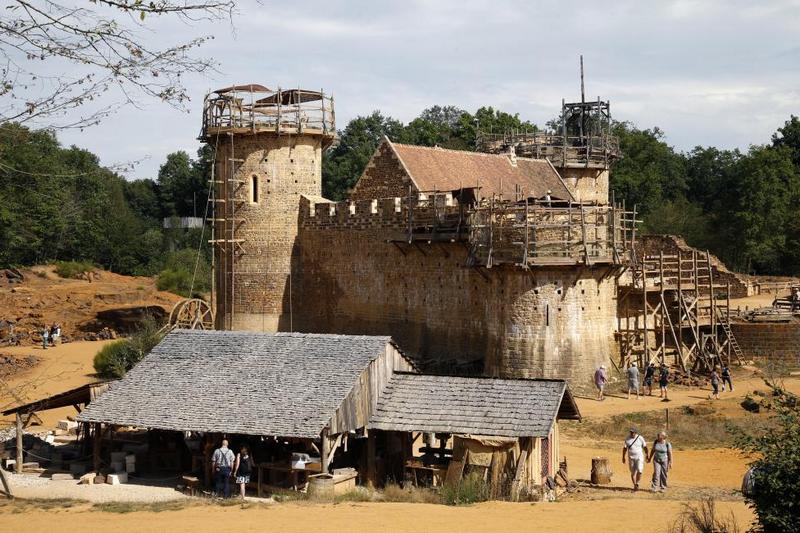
45	337
663	381
714	385
221	464
649	373
600	380
636	449
726	378
633	379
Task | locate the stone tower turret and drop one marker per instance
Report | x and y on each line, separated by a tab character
268	152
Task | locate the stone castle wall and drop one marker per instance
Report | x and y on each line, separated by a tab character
554	322
284	168
774	341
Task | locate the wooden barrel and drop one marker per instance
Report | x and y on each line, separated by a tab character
320	487
601	471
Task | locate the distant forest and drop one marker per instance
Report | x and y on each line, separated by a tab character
59	204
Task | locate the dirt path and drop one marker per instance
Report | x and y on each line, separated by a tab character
61	368
599	516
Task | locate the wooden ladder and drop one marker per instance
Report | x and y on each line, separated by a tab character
737	350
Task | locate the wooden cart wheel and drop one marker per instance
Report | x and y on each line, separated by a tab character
192	313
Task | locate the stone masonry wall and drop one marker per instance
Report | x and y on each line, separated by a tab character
384	177
779	341
586	184
284	167
553	322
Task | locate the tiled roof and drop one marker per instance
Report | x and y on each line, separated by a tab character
472	405
438	169
284	384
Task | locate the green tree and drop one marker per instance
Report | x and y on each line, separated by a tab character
343	165
776	474
183	186
789	137
650	171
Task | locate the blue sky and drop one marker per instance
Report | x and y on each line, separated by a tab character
722	73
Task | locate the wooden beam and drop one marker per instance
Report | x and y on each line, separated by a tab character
332	450
325	451
6	486
96	447
371	459
18	464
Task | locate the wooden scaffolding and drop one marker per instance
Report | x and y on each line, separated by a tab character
672	311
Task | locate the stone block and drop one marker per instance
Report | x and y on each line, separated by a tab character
88	479
117	479
62	477
67	425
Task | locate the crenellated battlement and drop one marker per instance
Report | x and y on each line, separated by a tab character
522	233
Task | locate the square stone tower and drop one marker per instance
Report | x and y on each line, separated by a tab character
268	148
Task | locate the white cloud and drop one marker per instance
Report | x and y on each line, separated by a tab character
722	73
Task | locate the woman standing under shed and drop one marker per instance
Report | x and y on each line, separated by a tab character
243	468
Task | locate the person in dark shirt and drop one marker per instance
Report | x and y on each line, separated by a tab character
649	373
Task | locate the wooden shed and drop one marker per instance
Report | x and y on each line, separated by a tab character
507	426
291	387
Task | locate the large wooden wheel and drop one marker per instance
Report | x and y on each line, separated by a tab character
192	313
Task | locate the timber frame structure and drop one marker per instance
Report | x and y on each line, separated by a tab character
524	232
671	307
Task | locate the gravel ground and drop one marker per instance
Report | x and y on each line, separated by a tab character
34	486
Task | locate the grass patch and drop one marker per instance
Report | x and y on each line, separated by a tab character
692	426
471	489
21	505
132	507
74	269
410	494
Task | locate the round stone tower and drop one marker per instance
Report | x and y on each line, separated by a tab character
268	148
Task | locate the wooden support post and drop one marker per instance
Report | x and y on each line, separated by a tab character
680	307
663	308
325	451
6	486
645	353
96	447
371	474
18	464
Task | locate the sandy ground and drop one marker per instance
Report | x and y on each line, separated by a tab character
31	486
598	516
62	367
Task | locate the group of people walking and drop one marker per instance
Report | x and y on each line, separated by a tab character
51	335
720	376
226	465
635	454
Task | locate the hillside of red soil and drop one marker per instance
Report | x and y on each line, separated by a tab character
83	307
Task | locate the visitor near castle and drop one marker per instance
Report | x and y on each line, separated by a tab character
222	465
633	379
661	457
600	380
635	448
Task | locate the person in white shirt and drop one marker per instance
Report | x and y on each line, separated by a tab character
635	447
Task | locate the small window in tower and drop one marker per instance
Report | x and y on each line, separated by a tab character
254	189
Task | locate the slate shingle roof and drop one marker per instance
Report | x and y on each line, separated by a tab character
438	169
284	384
461	405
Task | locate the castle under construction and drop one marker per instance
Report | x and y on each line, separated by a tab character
508	261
